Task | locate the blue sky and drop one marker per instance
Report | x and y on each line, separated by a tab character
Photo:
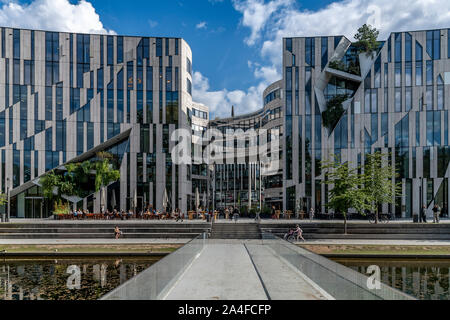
236	44
219	50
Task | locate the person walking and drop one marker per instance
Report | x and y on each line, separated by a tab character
423	215
235	215
299	233
436	213
311	214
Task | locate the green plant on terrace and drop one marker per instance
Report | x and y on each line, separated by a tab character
352	67
367	37
334	111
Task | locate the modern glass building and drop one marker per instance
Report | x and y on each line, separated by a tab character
65	97
241	182
394	101
335	101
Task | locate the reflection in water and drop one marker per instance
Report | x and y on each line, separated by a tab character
428	280
66	279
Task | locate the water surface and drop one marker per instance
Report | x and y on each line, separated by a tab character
66	279
424	280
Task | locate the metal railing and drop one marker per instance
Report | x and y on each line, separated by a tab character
340	282
154	283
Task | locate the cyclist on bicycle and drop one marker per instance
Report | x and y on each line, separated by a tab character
289	234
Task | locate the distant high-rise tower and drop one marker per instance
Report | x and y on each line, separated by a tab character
232	111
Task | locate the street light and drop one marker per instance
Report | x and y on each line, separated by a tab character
8	199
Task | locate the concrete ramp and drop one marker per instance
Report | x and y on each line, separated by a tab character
242	270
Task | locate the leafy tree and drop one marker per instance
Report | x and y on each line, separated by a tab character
378	185
3	199
345	188
105	175
367	37
77	180
49	182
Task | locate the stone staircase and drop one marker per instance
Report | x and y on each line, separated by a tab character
82	230
243	231
364	231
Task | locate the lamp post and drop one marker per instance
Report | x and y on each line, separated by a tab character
8	199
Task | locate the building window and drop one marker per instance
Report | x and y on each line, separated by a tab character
398	74
408	47
440	94
419	73
189	66
289	44
189	86
398	47
119	49
16	44
430	72
398	100
310	52
408	74
434	44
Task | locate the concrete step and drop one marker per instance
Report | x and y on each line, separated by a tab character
364	231
101	230
398	236
100	236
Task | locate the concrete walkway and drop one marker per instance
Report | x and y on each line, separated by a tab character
90	241
227	272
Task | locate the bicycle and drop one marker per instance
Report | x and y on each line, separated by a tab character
382	218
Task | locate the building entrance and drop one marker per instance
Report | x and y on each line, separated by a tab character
34	208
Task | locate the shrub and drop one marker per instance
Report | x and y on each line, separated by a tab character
334	111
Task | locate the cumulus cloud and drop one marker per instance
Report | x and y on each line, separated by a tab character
220	101
289	21
269	21
54	15
256	14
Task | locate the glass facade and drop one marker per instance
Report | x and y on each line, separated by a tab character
400	107
93	88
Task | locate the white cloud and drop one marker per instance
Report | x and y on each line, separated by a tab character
220	101
256	13
289	21
270	21
54	15
201	25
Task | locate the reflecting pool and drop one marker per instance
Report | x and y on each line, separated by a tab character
66	279
424	280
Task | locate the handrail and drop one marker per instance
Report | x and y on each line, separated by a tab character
153	283
339	281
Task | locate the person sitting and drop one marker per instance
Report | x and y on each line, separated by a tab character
75	214
178	216
129	215
117	233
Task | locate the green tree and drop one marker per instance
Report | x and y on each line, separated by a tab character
105	174
378	185
49	183
3	199
345	188
367	37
